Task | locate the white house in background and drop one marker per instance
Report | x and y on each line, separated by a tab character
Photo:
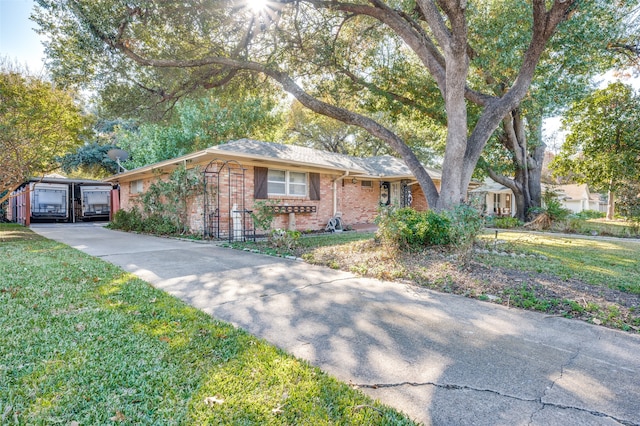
578	198
498	200
493	199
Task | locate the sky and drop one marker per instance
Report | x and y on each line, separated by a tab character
18	40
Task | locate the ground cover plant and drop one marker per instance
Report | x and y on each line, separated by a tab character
596	280
85	343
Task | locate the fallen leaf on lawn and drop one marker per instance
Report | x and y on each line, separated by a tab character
165	339
74	423
119	417
213	400
80	327
7	411
153	300
277	410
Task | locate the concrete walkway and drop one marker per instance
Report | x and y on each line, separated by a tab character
442	359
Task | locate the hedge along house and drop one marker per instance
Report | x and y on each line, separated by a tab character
305	187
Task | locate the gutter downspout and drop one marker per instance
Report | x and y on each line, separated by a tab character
335	191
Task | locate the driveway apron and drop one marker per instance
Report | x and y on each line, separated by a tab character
442	359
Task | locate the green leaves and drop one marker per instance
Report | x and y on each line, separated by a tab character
603	146
38	122
200	123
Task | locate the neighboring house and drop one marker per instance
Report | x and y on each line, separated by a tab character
309	186
578	198
493	199
496	199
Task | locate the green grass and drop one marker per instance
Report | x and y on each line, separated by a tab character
608	263
85	343
603	227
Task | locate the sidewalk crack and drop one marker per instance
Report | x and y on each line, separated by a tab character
448	386
543	405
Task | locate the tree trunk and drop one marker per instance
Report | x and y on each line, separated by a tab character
525	184
535	161
453	189
611	203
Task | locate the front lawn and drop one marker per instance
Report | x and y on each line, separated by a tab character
85	343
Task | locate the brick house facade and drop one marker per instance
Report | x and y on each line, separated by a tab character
317	185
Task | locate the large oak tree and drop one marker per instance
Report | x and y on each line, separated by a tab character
163	50
565	73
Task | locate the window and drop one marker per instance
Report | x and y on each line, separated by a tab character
496	203
367	184
136	187
281	182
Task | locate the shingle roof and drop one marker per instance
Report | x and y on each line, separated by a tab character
491	186
294	153
570	191
387	165
252	150
381	166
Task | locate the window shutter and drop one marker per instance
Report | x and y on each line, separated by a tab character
260	188
314	186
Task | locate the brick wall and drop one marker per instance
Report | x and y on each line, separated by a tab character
358	204
419	201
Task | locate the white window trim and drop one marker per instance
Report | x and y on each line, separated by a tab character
287	183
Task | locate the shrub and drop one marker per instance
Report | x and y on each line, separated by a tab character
544	217
171	197
410	229
281	238
130	220
263	213
506	222
574	224
158	224
133	220
553	208
466	223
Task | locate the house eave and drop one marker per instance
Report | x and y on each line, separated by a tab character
166	164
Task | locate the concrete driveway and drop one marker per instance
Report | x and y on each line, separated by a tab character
442	359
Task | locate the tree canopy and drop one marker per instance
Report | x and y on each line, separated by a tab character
400	57
602	148
514	156
38	123
200	123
